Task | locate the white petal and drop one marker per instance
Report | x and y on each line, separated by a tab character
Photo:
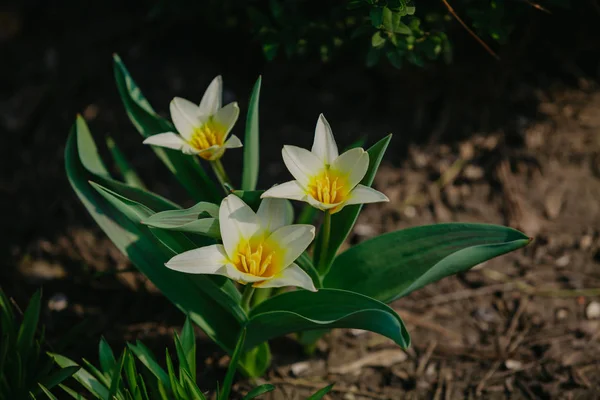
170	140
237	222
353	164
321	206
293	239
274	213
291	276
185	116
205	260
227	116
324	145
364	194
233	142
211	101
232	272
301	163
288	190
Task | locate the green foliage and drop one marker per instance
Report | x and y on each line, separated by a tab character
353	286
25	370
136	373
401	31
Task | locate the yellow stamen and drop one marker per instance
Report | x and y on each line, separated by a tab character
211	133
257	259
328	187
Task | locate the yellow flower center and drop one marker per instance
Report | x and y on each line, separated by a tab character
258	259
211	133
328	187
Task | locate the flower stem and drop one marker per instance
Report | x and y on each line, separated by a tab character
219	171
247	296
323	266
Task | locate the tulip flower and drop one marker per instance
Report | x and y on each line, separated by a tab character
258	248
323	178
203	129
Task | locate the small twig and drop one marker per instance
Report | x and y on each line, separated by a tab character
425	359
536	6
487	376
514	323
464	25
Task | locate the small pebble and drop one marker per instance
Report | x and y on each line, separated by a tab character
592	311
585	242
473	172
58	302
410	212
562	314
513	364
563	261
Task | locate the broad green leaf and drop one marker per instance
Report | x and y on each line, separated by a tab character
387	19
376	15
87	380
257	360
129	175
394	264
196	295
321	393
343	221
251	142
184	167
259	390
377	40
302	310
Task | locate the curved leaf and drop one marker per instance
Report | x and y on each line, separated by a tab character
192	220
394	264
251	143
185	168
302	310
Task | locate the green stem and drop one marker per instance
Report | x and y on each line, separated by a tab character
325	233
219	171
247	296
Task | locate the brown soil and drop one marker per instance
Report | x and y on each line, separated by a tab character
513	142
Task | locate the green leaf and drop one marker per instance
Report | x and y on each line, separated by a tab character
74	394
377	40
127	172
47	392
343	222
394	264
228	381
115	374
302	310
257	391
188	342
251	142
373	56
185	168
87	380
191	220
192	387
376	15
181	356
321	393
257	360
59	376
210	301
387	19
147	358
29	326
106	356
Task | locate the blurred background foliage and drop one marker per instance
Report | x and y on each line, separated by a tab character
397	31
